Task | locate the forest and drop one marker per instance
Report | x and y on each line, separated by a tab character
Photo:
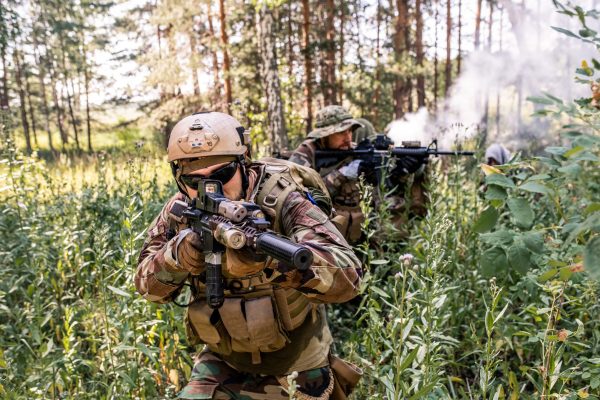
493	294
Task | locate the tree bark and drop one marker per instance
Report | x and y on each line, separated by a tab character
435	57
216	95
340	82
306	45
22	97
4	93
194	61
226	64
377	91
420	54
478	24
401	87
31	110
459	55
329	92
448	73
41	79
276	121
88	124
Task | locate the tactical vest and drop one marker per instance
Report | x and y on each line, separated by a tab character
257	316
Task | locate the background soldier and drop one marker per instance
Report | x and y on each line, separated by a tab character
333	131
271	322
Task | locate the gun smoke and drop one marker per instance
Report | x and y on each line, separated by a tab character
528	58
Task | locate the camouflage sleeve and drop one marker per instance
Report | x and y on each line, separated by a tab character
335	274
157	277
334	181
305	154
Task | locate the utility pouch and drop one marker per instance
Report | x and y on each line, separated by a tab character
252	325
207	326
292	307
346	377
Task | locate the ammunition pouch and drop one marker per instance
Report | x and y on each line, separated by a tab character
346	376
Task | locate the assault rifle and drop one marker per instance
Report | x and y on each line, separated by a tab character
375	152
222	223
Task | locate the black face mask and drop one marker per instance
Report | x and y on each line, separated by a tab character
223	174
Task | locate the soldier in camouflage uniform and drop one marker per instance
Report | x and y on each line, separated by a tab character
272	322
334	129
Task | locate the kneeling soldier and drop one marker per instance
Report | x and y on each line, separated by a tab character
272	320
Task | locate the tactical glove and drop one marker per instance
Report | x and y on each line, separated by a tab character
350	171
188	251
409	164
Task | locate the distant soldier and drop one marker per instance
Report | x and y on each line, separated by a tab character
496	154
271	322
333	131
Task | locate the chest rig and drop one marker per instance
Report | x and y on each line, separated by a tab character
257	314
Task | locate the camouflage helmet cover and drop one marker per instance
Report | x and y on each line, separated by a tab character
333	119
365	131
206	135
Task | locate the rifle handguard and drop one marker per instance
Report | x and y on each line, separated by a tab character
289	253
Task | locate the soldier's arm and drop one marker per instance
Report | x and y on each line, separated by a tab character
335	274
304	155
157	277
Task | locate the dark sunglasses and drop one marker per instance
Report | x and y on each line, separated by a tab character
223	174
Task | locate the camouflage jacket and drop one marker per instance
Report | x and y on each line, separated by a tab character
334	277
343	191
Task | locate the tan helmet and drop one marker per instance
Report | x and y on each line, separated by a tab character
207	134
333	119
367	130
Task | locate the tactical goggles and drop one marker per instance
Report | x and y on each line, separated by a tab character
223	174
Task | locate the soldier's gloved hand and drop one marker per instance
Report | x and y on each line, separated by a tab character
242	262
188	251
409	164
350	171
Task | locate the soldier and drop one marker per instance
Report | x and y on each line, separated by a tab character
334	129
496	154
272	321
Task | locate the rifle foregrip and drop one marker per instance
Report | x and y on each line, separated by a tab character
287	252
214	285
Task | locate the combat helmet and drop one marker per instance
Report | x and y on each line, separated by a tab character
367	130
333	119
204	139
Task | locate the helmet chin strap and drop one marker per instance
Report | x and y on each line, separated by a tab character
245	182
174	169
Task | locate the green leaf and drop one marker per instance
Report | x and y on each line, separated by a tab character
493	262
379	262
534	241
539	177
564	274
534	187
500	180
571	169
486	221
595	63
118	291
591	258
495	192
573	151
519	258
503	237
540	100
592	208
380	292
521	212
557	151
547	275
565	31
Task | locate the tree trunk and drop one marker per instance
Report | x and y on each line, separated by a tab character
340	82
478	24
307	64
377	92
486	114
329	93
59	117
216	98
448	74
459	55
22	96
73	119
499	88
86	76
226	65
194	61
41	77
420	54
4	93
290	45
276	121
435	57
31	111
401	87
